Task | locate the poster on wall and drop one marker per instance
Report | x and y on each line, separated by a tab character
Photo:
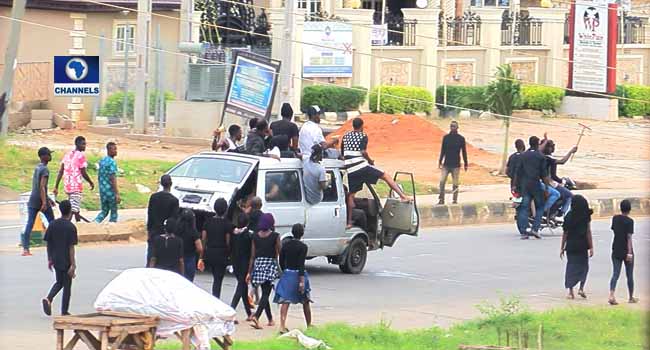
252	86
591	46
379	34
331	56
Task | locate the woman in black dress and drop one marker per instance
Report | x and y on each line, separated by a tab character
578	244
216	240
240	257
263	267
192	247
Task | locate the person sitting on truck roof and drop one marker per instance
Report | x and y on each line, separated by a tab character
256	140
314	176
360	166
229	144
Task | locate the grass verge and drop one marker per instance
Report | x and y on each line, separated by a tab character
581	328
17	164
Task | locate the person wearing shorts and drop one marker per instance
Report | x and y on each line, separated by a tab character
73	172
360	166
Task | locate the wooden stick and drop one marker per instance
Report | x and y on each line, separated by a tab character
72	342
59	339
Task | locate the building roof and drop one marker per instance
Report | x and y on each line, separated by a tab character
85	6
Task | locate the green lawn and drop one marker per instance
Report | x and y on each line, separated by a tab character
594	328
18	164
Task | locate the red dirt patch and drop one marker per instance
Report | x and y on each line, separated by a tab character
410	143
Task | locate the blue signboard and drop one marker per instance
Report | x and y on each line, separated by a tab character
252	86
76	75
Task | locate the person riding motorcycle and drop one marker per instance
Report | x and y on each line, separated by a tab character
557	183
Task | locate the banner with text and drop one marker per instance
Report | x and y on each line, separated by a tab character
332	54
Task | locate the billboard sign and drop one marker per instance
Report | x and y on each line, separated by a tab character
591	45
252	86
331	56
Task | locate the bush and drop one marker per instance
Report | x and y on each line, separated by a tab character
541	98
621	92
635	108
333	98
113	105
472	97
402	99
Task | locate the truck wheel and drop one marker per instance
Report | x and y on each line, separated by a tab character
356	257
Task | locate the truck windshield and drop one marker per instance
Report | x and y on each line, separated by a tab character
212	169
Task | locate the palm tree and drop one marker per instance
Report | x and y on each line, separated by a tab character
502	96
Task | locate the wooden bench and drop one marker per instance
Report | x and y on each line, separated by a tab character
114	329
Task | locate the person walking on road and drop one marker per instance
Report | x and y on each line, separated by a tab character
61	237
38	198
453	144
263	268
240	256
577	243
216	234
167	252
532	168
73	172
162	205
623	252
192	246
294	286
360	167
109	195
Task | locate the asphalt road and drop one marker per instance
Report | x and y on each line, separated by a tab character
437	278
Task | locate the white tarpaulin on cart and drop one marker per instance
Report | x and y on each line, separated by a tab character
176	301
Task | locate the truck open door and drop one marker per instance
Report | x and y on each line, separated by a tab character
398	217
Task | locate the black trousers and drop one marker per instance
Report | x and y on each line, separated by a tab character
264	305
63	281
218	269
241	292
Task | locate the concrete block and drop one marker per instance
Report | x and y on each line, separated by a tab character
331	116
63	121
19	119
469	211
42	114
590	108
40	124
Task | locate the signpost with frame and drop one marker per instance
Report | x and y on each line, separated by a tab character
252	86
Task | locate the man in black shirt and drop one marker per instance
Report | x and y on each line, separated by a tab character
286	127
452	145
162	206
530	171
61	237
623	252
513	162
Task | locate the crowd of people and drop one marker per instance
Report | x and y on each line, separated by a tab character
249	242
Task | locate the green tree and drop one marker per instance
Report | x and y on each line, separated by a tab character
502	96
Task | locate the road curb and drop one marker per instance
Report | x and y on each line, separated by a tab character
503	212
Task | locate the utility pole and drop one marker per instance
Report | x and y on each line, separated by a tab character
143	37
125	79
17	12
98	99
383	23
286	69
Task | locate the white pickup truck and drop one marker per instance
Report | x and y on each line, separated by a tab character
199	180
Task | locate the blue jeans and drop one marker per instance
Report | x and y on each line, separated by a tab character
190	266
523	210
553	196
31	217
567	196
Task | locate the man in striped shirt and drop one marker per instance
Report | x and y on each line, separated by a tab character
360	166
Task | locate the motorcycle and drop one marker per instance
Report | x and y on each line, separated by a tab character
552	219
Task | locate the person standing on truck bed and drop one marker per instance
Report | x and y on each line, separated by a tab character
360	166
286	127
449	162
162	206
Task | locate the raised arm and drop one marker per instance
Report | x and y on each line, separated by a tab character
566	157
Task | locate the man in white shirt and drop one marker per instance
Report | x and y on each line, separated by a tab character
311	134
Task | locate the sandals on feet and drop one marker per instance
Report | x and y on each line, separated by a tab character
284	331
612	302
255	323
582	294
633	300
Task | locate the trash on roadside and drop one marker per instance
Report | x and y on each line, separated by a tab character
305	341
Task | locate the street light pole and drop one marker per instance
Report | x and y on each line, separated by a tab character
17	12
125	79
